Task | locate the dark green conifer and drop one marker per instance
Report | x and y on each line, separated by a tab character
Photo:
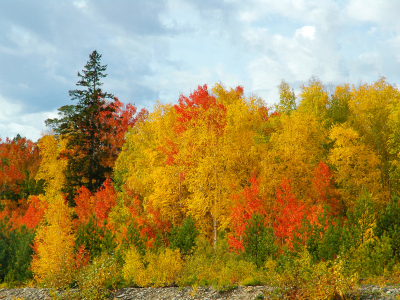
87	133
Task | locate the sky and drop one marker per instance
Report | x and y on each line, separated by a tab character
160	49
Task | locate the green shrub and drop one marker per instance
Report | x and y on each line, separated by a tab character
389	223
259	241
184	237
98	277
15	254
96	239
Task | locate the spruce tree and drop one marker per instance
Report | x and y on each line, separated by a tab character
87	146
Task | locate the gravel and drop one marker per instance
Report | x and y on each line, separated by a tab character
175	293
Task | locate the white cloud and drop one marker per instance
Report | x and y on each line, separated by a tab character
13	122
8	109
81	5
306	31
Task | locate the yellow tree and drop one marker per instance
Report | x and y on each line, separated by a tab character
51	166
293	152
54	241
187	159
219	132
394	147
314	98
53	260
201	123
371	106
287	99
357	167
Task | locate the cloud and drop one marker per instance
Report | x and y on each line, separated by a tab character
12	122
156	50
306	31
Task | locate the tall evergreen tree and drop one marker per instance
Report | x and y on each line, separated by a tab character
87	146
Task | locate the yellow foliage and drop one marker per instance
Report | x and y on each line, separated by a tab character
134	269
372	107
357	167
52	168
314	98
96	278
295	149
195	171
163	268
53	261
302	279
287	99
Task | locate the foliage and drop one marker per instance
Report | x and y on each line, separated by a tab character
248	204
389	224
184	237
95	237
218	189
53	259
160	268
95	128
259	242
15	254
19	163
97	278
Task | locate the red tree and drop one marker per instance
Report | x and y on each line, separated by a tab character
247	204
289	212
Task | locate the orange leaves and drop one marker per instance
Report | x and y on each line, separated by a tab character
19	160
105	200
325	192
120	119
99	204
170	150
248	203
288	212
35	213
84	204
198	108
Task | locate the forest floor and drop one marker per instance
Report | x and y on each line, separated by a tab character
175	293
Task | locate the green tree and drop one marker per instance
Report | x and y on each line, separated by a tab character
259	241
184	237
88	133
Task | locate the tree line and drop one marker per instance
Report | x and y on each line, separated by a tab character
220	177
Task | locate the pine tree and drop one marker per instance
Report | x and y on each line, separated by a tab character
87	133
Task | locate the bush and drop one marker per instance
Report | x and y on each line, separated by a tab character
162	268
134	271
219	268
96	239
389	224
97	278
299	278
20	258
184	237
259	242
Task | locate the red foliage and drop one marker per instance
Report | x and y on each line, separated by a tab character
121	118
14	211
289	212
82	257
325	192
247	204
149	221
194	108
19	160
169	149
84	204
35	213
105	199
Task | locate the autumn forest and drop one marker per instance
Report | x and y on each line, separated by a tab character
219	189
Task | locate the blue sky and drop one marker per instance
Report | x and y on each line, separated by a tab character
158	49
